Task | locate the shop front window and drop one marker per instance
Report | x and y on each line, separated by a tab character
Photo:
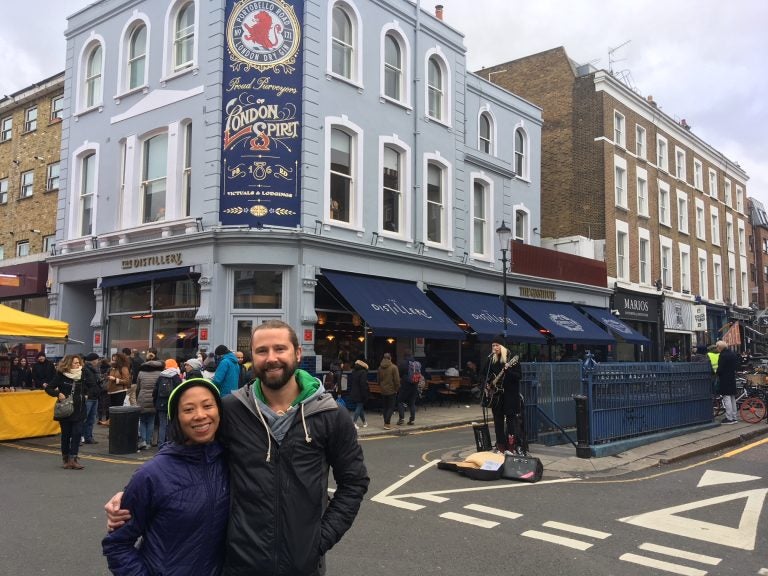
258	289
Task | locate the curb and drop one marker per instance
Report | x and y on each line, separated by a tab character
727	443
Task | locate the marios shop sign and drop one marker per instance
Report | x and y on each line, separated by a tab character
636	307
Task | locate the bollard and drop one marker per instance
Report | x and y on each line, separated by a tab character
582	427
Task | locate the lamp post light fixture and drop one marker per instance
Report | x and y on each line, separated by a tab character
504	234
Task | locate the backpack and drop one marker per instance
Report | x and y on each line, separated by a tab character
414	371
164	387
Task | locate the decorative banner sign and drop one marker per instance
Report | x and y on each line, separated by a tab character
262	107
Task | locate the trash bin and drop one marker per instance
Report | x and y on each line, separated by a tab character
124	429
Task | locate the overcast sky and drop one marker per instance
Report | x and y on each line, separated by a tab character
702	60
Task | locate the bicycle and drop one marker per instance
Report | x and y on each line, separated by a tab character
752	409
718	408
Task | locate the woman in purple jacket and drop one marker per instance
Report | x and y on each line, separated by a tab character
179	500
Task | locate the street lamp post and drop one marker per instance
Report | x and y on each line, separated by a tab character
504	234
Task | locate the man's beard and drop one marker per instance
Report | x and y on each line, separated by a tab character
273	381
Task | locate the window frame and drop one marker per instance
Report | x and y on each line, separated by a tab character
740	199
662	154
22	246
680	164
51	179
4	183
727	193
701	220
446	204
149	210
665	209
522	158
486	143
183	36
517	210
698	175
641	143
703	273
443	90
621	194
355	46
397	35
666	263
128	59
26	189
485	185
86	194
30	119
92	82
717	277
171	68
644	251
682	212
356	175
712	178
404	182
622	251
714	220
685	268
641	175
57	110
6	128
619	129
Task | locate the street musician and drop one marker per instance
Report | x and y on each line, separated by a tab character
502	395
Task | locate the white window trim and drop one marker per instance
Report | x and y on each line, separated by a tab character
685	225
666	243
357	173
355	18
487	255
81	93
727	193
698	175
405	52
710	173
644	234
714	231
170	35
620	163
406	224
526	176
740	199
644	155
486	109
730	240
665	167
663	186
682	177
742	239
447	231
622	142
744	288
73	228
704	223
123	70
642	174
717	295
703	257
526	237
438	54
622	228
684	249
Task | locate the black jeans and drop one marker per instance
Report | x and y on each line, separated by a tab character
408	395
388	404
70	437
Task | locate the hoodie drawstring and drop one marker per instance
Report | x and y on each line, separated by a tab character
267	430
307	437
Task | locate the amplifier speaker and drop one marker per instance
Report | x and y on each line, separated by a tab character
482	437
523	468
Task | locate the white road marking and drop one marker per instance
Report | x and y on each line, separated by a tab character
713	477
577	529
385	498
680	553
493	511
762	572
661	565
563	541
432	498
469	520
742	538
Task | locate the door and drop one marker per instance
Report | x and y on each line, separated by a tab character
244	326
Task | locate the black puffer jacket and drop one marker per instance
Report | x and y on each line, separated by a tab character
67	386
281	522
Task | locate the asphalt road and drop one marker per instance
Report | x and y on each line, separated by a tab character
703	517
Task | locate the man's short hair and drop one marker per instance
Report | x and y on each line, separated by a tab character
721	345
277	325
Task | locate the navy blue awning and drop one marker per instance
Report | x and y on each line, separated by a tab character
615	326
564	322
125	279
485	314
393	308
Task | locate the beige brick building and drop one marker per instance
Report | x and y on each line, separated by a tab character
665	210
30	143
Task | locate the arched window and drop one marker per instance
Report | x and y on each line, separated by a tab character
521	153
342	41
435	89
393	68
137	57
184	37
485	133
92	79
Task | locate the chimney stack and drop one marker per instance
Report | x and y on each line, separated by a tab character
439	11
651	101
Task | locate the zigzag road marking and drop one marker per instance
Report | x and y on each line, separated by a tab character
680	553
662	565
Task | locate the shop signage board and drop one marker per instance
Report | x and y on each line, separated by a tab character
262	108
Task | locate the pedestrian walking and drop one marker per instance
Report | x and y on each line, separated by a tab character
68	382
357	383
727	365
388	377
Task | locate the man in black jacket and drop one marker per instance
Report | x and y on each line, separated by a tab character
43	371
727	365
283	433
92	380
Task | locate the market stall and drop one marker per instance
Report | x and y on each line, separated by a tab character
26	413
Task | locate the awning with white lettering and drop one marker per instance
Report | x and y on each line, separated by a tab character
140	277
563	321
615	326
394	308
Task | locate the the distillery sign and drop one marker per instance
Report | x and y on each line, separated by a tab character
262	106
152	261
636	307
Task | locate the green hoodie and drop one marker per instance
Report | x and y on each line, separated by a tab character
308	386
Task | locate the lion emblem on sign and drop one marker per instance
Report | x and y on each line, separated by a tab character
263	32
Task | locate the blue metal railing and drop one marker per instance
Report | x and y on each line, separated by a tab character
548	388
627	400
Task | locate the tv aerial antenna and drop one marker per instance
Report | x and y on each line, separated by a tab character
612	59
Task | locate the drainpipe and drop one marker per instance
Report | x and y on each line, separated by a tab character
416	186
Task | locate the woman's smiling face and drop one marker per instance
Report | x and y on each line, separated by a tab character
198	415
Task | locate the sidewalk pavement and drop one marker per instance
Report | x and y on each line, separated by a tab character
559	461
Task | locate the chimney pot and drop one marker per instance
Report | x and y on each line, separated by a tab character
439	11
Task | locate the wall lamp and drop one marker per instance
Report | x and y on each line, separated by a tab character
419	247
374	238
318	227
199	224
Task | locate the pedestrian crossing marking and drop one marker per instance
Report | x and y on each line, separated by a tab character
576	529
762	572
713	477
431	498
662	565
743	537
554	539
680	553
493	511
469	520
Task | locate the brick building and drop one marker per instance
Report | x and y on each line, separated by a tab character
758	275
625	182
30	142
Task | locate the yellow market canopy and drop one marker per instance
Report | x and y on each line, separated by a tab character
16	326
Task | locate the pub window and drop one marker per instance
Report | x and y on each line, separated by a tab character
258	289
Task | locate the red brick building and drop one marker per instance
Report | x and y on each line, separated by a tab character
666	211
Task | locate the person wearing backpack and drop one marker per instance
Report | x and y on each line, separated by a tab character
410	376
149	373
166	382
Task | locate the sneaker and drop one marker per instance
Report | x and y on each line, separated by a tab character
91	441
142	446
357	427
400	422
365	424
387	427
410	422
727	421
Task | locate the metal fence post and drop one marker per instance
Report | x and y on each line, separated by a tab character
582	426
